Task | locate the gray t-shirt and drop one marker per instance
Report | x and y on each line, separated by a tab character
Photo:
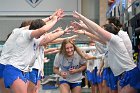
64	65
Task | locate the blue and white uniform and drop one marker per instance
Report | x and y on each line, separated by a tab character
37	68
23	56
121	63
7	49
62	62
90	67
98	53
127	42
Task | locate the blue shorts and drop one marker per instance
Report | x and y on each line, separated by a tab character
10	74
131	77
105	74
89	75
1	70
72	85
34	76
96	79
113	80
138	64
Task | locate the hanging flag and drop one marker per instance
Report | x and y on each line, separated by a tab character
111	8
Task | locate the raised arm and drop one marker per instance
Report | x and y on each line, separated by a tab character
58	12
92	36
60	40
39	29
81	26
47	38
51	50
94	27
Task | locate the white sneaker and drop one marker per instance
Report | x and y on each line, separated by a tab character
85	86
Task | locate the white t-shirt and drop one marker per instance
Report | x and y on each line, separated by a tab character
39	62
100	47
95	62
24	51
127	42
64	65
8	46
118	56
105	59
103	51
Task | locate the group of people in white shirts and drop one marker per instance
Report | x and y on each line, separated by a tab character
22	57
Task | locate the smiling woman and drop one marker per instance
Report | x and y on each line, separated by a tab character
69	65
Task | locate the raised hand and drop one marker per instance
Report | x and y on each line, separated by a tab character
79	31
59	13
76	15
67	30
76	26
57	29
72	38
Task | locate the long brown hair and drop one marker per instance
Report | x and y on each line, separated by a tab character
63	49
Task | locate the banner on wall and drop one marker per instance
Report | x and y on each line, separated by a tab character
123	5
111	8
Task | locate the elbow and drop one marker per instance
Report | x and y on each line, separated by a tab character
45	41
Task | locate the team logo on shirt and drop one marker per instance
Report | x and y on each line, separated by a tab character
34	47
34	3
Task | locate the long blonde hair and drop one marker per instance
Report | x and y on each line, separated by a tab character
63	45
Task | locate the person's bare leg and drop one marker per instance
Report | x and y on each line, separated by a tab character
104	87
100	88
86	83
128	89
31	87
2	87
19	86
76	89
64	88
